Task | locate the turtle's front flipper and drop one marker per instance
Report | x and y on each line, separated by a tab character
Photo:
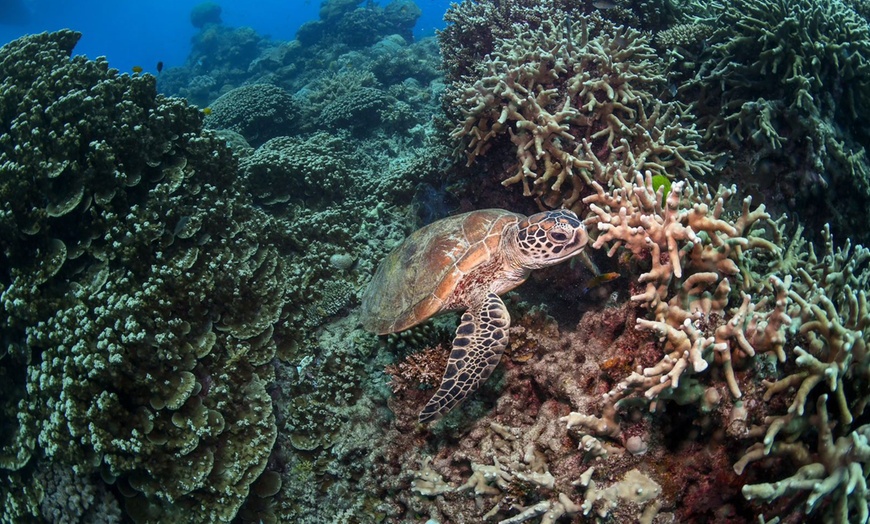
480	340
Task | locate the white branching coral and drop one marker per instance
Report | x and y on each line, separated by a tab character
695	256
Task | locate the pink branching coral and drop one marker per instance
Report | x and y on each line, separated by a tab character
695	255
720	288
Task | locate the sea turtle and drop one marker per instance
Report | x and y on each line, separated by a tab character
465	262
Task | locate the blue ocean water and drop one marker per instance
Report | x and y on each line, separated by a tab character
143	33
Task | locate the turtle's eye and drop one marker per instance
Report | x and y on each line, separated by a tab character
558	237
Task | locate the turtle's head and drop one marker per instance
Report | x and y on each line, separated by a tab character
545	239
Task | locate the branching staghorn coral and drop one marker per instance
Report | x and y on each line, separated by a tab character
577	102
794	51
838	470
790	79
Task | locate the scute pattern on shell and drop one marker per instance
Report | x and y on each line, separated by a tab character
416	279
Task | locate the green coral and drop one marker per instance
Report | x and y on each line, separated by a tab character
827	337
140	294
360	109
799	52
310	169
258	112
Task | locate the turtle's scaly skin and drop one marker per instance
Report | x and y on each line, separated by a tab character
465	262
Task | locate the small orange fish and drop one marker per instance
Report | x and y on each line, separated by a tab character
137	69
206	111
603	278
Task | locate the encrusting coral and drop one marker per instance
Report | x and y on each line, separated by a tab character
139	295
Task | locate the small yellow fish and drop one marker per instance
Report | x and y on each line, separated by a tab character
137	69
206	111
603	278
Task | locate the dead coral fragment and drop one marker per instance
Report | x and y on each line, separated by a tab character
634	487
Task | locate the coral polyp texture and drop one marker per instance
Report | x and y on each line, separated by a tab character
258	112
137	301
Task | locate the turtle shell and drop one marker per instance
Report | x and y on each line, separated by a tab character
420	278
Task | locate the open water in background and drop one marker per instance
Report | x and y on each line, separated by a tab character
143	32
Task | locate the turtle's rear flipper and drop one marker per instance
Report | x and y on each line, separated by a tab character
480	340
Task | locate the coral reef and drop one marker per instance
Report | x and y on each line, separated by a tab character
140	333
219	61
132	265
819	334
178	306
690	247
205	13
474	26
727	332
423	368
343	23
310	169
831	325
70	497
